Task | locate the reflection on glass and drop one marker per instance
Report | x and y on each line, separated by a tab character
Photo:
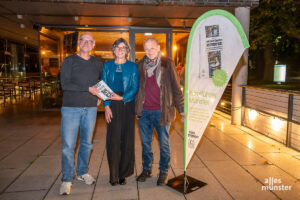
104	41
180	40
50	68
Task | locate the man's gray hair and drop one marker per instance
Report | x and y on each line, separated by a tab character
87	33
151	39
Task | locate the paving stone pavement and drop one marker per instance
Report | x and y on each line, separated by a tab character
234	161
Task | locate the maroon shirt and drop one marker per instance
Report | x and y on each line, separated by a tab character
152	93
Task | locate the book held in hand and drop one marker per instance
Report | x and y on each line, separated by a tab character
104	91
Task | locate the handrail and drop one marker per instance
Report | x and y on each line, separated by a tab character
294	92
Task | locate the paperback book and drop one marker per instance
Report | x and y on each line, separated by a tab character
104	91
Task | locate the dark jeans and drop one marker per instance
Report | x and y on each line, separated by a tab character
147	122
120	140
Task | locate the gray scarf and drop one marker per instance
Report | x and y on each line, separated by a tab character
151	65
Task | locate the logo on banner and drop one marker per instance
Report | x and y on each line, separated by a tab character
192	139
219	78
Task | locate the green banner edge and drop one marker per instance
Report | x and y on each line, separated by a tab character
245	42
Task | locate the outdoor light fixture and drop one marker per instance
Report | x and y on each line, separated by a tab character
252	114
276	123
148	34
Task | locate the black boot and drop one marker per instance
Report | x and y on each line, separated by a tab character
122	181
113	183
162	179
144	175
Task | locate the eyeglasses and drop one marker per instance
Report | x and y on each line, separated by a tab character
121	48
87	41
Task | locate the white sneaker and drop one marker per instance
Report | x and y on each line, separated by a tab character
65	188
88	179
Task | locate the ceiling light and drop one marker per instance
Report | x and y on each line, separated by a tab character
20	16
22	26
148	34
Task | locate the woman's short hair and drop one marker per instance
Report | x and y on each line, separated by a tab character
116	44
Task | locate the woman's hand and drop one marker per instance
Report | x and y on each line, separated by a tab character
108	114
116	97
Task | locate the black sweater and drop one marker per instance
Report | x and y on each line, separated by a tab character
77	75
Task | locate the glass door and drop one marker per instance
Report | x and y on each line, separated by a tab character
137	37
51	95
139	43
65	45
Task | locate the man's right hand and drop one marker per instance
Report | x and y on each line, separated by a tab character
93	91
108	114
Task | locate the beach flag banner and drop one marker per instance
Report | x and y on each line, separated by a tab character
216	43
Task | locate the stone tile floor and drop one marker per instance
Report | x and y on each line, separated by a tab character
234	161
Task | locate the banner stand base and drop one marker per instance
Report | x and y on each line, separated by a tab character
192	184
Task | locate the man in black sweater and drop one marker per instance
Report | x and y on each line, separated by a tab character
78	74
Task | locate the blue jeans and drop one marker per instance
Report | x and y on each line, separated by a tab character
73	118
147	122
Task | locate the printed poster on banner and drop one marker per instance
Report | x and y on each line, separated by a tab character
216	43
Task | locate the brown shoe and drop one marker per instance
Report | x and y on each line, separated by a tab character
162	179
144	175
